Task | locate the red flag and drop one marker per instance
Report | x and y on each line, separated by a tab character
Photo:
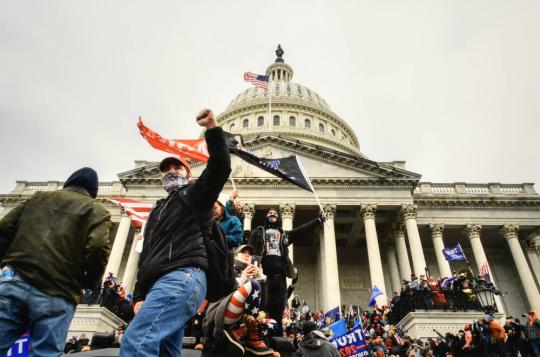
138	211
191	149
484	272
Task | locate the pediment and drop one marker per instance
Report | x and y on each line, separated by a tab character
320	163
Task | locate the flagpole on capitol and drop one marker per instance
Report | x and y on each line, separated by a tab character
270	122
309	182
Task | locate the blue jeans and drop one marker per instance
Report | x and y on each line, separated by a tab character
535	347
23	307
158	328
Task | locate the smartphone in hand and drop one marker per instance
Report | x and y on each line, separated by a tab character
256	260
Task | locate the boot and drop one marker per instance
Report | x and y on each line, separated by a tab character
238	331
234	336
254	341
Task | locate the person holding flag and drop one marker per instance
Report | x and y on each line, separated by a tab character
272	244
171	282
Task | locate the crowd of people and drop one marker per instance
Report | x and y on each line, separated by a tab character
200	272
454	293
486	337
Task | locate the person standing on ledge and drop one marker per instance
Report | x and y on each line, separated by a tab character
171	281
272	244
51	247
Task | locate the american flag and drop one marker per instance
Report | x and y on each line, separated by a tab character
484	272
257	79
138	211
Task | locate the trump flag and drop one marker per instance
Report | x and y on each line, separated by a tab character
453	253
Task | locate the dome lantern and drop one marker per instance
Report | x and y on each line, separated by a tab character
279	71
297	112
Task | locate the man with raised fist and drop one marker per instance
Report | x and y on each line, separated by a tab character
171	281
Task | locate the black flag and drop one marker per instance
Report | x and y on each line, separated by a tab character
288	168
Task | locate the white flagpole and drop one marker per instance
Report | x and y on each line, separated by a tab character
309	182
233	185
270	123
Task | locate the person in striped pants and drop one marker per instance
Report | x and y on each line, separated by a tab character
239	314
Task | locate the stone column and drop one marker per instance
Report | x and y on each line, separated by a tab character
438	244
401	250
130	274
249	212
394	273
374	254
119	244
286	211
533	253
510	232
330	272
417	253
473	233
321	270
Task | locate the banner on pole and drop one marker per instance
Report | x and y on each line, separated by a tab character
453	252
288	168
351	344
21	347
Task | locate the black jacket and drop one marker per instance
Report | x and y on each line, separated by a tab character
173	236
256	240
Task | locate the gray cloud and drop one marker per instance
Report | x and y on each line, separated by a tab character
451	87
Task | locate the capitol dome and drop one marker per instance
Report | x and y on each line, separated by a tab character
297	112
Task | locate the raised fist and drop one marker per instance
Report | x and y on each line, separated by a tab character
206	119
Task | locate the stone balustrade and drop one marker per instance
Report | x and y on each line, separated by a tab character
461	188
28	188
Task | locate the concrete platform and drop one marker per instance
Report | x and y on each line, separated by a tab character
90	319
422	324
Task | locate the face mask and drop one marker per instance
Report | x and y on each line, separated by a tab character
171	181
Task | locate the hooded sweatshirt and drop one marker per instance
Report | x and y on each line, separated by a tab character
315	344
232	227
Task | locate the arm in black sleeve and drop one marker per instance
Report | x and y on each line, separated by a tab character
306	228
290	291
8	228
208	186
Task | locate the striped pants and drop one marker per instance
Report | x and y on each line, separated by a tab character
246	299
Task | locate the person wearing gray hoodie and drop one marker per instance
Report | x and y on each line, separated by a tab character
315	343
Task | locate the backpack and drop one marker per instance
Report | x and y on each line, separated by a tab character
220	277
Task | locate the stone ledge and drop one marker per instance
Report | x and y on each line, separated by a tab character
89	319
421	324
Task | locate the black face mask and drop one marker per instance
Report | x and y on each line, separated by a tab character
268	222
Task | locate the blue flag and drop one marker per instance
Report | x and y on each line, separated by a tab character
376	292
352	343
21	347
338	328
333	314
453	252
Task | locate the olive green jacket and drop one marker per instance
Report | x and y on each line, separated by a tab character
58	241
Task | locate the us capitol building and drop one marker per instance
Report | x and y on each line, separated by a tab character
384	223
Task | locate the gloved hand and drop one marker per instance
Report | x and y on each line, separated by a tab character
322	217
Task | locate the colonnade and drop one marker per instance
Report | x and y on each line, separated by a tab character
397	255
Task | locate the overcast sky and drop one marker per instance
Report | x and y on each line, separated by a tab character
452	87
